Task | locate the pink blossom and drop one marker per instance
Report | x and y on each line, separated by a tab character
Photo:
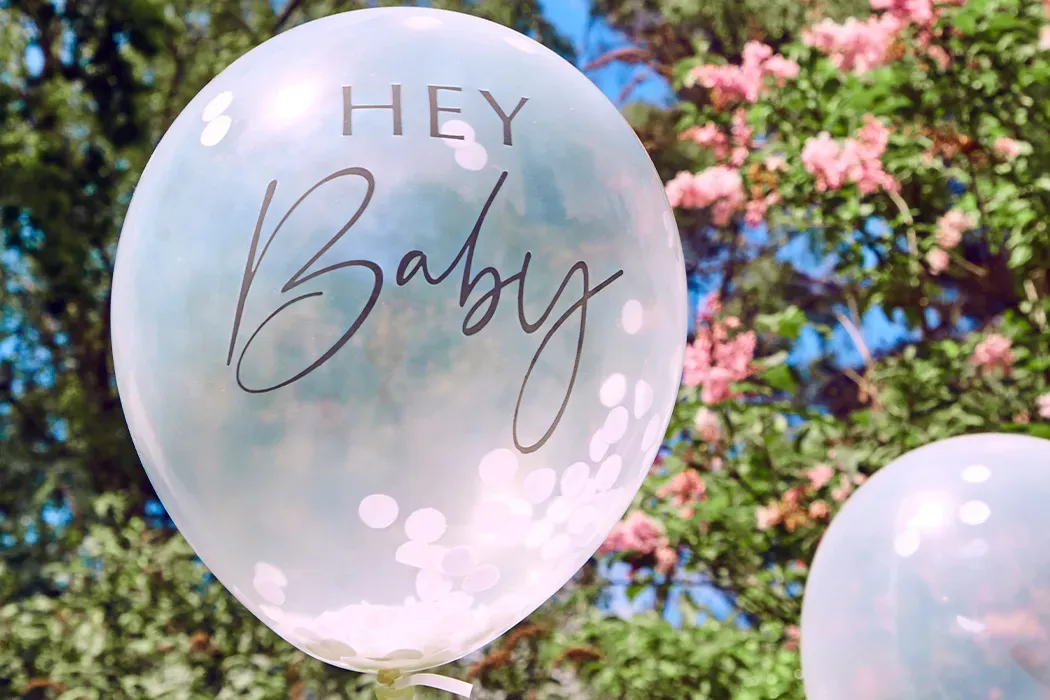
939	56
783	69
819	476
636	533
856	160
818	510
718	187
684	489
767	516
743	83
855	45
1007	148
775	163
1042	406
951	227
708	426
919	12
755	212
938	260
842	491
822	158
994	352
708	136
713	360
666	560
1044	39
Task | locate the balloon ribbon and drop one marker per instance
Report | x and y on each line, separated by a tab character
393	686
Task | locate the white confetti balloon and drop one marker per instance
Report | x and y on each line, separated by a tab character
393	313
933	582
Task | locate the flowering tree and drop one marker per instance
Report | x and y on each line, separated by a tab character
886	171
837	169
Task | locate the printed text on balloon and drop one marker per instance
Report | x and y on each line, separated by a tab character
413	263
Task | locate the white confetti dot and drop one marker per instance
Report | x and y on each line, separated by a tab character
481	579
410	601
425	525
269	572
459	561
608	473
976	474
643	398
419	555
432	584
457	127
539	533
472	156
907	542
215	131
574	479
613	389
378	511
582	520
599	446
975	512
559	510
217	105
522	43
498	467
557	546
615	425
652	433
539	485
506	518
269	591
631	316
422	22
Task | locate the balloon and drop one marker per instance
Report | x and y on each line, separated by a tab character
934	580
398	323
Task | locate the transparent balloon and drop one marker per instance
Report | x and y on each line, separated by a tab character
934	580
398	323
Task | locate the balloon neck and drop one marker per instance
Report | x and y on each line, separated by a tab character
385	689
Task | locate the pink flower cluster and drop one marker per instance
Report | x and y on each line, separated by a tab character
952	226
950	229
855	45
708	426
719	187
685	489
1007	148
711	137
743	83
994	352
863	46
714	360
1042	406
858	160
640	533
921	12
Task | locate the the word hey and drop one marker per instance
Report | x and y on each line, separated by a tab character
433	97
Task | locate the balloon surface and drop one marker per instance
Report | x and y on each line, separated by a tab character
933	582
398	322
